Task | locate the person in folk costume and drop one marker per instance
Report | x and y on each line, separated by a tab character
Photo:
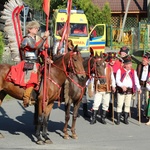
102	94
148	104
111	60
115	62
26	73
127	83
143	70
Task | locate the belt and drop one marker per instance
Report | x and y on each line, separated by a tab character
128	91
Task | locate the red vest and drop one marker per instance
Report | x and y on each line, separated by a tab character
131	74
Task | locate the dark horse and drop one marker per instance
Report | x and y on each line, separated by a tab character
75	89
56	76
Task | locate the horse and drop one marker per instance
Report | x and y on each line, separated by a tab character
74	89
70	62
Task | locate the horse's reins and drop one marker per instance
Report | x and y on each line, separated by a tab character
66	73
94	69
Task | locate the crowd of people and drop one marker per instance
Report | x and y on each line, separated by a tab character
124	82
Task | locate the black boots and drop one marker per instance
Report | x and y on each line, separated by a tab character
118	118
126	115
103	117
85	111
94	113
109	115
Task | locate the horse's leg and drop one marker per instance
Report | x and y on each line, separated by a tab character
67	117
38	120
45	123
74	118
2	96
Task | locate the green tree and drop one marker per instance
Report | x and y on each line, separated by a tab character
1	46
34	4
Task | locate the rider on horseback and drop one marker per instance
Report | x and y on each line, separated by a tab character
31	48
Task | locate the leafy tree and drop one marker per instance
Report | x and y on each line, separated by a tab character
1	46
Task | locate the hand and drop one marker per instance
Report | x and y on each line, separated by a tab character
124	88
139	91
113	89
46	34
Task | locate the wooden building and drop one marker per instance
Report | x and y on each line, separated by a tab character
137	11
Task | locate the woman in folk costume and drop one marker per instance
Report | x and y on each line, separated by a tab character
25	73
127	83
148	105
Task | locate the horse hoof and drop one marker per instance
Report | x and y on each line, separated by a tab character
48	141
40	142
75	136
66	137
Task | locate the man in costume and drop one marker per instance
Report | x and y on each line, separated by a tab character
25	74
143	70
127	83
102	94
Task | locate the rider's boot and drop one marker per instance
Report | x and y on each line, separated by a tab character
26	96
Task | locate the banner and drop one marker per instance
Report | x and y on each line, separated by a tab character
46	7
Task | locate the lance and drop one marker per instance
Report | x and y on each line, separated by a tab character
46	8
66	28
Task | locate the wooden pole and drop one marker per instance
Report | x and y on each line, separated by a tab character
139	107
113	107
124	20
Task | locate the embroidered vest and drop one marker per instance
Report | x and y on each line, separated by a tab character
131	74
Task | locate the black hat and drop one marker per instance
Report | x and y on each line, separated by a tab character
124	49
146	55
111	55
127	59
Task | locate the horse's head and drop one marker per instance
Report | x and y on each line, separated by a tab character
99	67
74	63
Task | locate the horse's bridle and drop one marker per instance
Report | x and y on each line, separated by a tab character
93	68
70	65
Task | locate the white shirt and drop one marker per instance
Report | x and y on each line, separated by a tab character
144	73
127	82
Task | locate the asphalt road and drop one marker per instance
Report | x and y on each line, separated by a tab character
16	125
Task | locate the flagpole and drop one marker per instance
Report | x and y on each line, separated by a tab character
46	45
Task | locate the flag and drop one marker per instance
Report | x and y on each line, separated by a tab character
46	6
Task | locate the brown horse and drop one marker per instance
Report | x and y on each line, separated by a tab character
71	62
74	89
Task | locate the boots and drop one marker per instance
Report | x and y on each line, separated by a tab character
126	115
103	117
26	96
85	111
110	110
94	113
118	118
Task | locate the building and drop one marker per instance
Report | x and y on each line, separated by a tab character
137	11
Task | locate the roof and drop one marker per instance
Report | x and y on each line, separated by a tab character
120	5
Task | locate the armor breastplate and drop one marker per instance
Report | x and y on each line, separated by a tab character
30	55
29	43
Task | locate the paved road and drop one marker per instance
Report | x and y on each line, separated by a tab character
16	125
